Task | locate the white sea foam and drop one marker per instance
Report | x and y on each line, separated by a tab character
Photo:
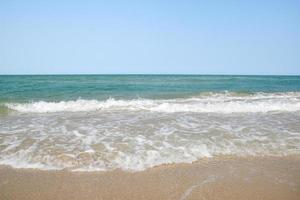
138	134
211	103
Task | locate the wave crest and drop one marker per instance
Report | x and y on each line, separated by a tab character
206	103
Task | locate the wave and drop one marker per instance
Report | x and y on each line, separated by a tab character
204	103
112	137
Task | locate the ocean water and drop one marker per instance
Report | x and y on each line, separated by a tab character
134	122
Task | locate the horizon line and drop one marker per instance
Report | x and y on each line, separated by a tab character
187	74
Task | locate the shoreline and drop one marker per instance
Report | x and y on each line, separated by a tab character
210	178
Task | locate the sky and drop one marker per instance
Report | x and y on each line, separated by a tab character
150	37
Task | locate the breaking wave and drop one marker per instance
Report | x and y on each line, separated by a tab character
206	103
134	135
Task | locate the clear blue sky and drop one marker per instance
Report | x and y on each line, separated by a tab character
195	37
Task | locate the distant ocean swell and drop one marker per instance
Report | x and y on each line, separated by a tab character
228	102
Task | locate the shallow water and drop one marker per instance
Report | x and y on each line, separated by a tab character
137	122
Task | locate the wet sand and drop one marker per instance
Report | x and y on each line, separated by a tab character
215	178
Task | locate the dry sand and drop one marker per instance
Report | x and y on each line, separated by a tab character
218	178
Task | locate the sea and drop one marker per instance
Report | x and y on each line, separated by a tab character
136	122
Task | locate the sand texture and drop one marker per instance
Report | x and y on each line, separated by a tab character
252	178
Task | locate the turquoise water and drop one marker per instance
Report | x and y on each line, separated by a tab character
71	87
135	122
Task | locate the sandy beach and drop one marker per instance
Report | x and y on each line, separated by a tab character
216	178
